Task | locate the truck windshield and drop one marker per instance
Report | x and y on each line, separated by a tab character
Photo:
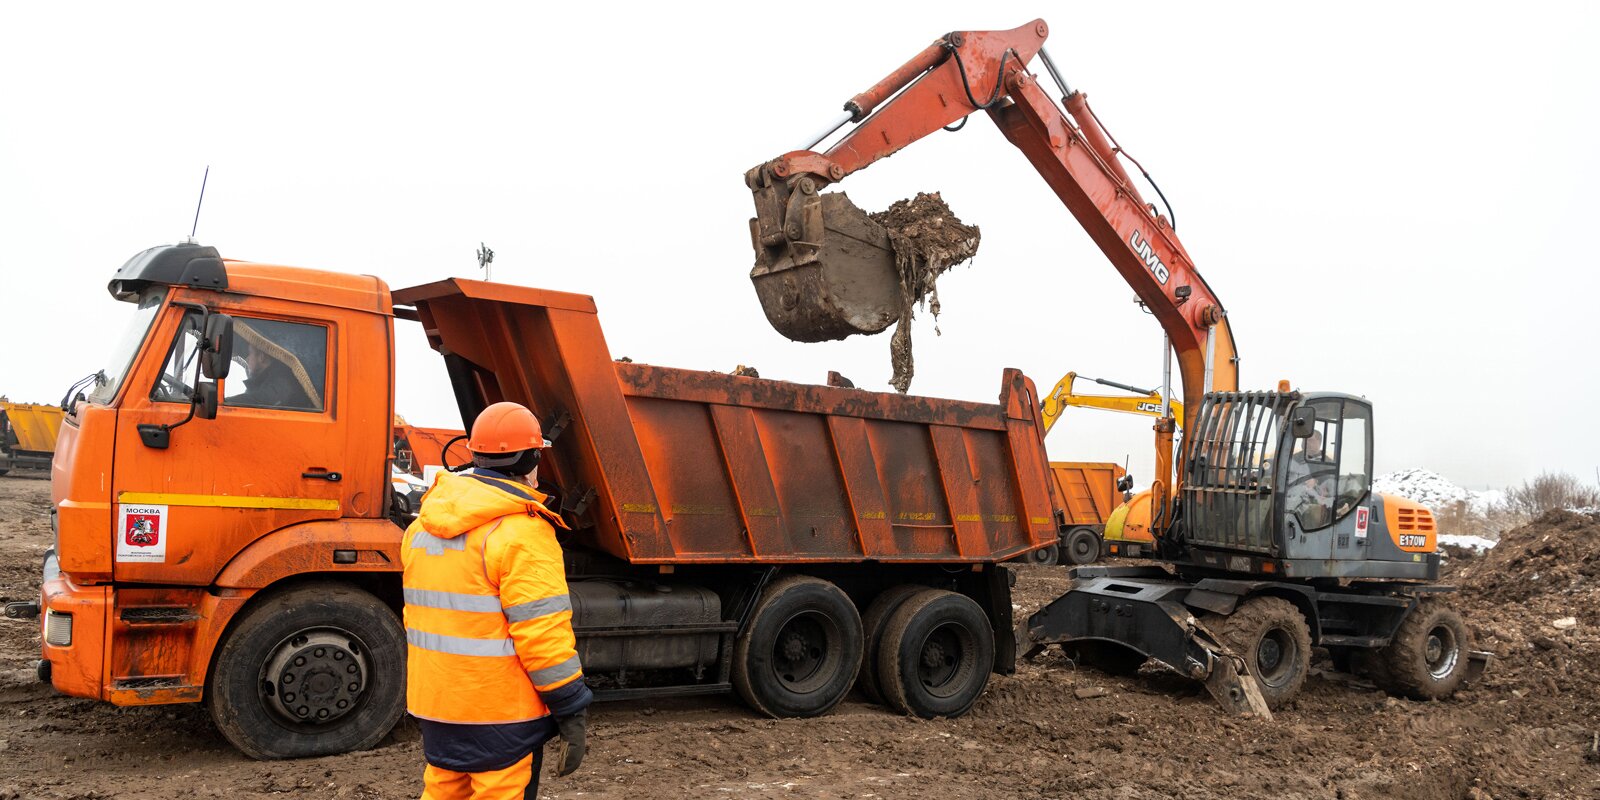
133	335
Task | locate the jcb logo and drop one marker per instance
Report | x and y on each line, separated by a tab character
1148	255
1149	408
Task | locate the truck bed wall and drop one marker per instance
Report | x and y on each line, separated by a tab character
681	466
1086	490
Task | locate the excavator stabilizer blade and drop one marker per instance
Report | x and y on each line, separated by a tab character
1236	692
837	279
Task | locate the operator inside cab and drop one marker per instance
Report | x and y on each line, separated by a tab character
1310	481
276	373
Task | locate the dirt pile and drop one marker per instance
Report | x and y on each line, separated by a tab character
1534	600
928	240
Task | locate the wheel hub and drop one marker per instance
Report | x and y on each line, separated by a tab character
801	651
1441	651
315	677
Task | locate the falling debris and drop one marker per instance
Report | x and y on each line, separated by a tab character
928	240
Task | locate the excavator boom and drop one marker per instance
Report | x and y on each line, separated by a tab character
824	269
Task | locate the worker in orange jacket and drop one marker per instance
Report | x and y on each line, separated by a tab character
492	665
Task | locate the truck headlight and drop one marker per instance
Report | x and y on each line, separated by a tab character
58	629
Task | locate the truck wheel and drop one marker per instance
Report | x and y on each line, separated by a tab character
1275	642
1081	546
878	611
936	655
800	654
1427	659
312	671
1047	556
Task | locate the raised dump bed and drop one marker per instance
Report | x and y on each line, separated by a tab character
676	466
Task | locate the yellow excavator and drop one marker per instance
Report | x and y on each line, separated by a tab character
1126	530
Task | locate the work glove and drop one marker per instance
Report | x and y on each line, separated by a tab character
574	743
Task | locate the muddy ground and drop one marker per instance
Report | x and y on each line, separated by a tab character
1522	733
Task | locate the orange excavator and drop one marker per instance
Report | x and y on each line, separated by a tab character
1273	538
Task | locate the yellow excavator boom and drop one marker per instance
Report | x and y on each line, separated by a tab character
1143	402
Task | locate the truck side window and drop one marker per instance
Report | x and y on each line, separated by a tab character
278	364
175	384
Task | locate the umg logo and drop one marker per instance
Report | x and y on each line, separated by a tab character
1148	255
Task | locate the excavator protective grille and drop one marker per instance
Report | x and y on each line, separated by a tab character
1229	469
1414	520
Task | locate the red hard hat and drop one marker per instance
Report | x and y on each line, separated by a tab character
506	428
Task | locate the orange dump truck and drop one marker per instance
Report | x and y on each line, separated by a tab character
224	530
27	435
1088	491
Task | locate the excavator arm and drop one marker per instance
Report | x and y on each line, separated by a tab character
824	270
1144	402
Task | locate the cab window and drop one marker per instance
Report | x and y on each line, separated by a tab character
278	364
175	384
1330	471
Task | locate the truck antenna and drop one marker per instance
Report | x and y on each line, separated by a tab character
485	258
197	205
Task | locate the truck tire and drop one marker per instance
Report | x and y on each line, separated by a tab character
887	602
340	646
936	655
801	651
1047	556
1271	635
1427	658
1080	546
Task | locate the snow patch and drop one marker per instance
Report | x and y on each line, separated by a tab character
1475	543
1435	491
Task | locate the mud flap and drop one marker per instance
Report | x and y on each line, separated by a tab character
1146	615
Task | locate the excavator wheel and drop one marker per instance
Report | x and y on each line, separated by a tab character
315	670
936	655
1427	658
801	651
1272	636
1080	546
887	602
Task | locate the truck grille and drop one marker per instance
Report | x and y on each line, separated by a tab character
58	629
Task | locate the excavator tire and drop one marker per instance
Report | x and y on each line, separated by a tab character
801	651
1272	636
1080	546
1427	658
936	655
346	647
887	602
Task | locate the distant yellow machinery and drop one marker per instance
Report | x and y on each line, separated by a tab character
1145	402
27	435
1126	530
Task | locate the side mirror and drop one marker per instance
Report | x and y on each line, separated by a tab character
216	354
1302	422
205	401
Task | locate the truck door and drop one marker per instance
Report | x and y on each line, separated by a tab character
271	458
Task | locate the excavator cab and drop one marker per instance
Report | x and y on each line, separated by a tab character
1281	483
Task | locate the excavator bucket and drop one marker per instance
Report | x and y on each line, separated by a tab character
836	279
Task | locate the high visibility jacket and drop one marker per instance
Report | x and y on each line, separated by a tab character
488	621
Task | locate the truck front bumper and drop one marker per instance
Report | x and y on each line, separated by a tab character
72	628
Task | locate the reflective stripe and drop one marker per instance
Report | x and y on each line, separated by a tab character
460	645
522	612
555	674
454	601
436	546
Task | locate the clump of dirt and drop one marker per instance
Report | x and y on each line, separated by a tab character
1534	600
928	240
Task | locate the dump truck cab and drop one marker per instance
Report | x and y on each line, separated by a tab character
167	522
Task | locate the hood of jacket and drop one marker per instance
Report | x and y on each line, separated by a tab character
458	503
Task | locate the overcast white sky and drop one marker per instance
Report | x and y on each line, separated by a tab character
1394	200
